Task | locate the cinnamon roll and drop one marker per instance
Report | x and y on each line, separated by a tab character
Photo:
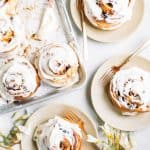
108	14
9	37
18	80
58	65
130	90
58	134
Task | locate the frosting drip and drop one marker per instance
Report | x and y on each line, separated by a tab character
9	35
56	132
131	88
17	79
58	65
110	11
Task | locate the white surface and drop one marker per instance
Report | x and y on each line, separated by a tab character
98	53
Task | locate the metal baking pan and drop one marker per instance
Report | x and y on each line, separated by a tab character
68	36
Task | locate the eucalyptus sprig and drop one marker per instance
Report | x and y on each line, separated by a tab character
14	136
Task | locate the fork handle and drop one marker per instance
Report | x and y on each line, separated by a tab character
140	48
83	27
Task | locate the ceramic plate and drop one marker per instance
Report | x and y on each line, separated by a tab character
102	103
45	113
115	35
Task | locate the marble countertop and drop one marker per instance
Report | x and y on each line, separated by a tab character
98	53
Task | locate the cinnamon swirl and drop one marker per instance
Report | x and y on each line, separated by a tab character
18	80
108	14
130	90
9	37
58	65
58	134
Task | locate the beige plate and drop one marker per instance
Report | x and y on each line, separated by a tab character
45	113
114	35
102	104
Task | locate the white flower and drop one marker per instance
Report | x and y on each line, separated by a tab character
92	139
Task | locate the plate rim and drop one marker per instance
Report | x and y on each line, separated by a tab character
61	105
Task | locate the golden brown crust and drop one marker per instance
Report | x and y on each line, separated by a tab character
78	139
107	26
65	145
78	142
122	108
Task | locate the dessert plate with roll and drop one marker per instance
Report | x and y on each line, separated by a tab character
107	20
120	91
58	127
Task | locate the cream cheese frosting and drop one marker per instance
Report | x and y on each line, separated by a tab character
10	36
50	135
18	78
58	65
121	10
131	87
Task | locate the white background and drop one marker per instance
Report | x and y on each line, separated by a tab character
98	53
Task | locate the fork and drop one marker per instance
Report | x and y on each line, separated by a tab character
80	6
111	71
71	116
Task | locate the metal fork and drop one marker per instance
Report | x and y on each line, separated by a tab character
80	7
71	116
111	71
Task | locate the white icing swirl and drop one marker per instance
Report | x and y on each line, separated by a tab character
18	80
58	65
9	35
131	88
110	11
56	131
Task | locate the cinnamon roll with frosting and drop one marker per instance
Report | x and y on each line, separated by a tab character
18	80
58	134
9	37
108	14
58	65
130	90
